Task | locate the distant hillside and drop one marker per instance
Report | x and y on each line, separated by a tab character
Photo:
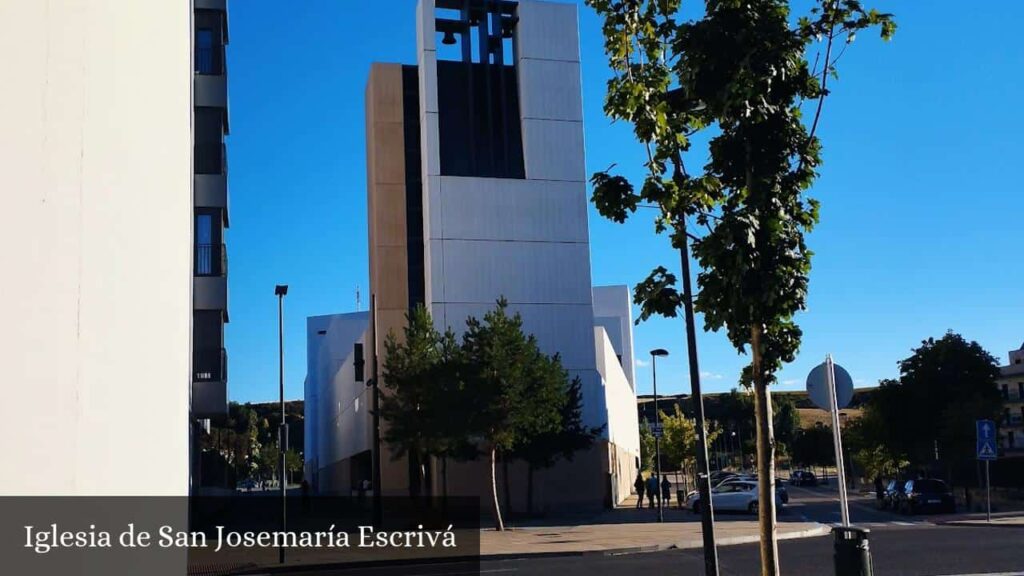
809	413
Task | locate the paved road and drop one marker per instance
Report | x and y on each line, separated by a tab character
821	504
907	551
901	546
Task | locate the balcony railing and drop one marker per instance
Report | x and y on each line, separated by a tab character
210	365
211	158
211	260
210	60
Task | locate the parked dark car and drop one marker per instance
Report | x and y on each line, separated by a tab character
891	494
803	478
719	476
926	495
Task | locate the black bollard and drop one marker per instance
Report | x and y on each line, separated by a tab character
852	552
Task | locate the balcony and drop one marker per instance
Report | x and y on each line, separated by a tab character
210	365
209	383
210	283
210	158
211	260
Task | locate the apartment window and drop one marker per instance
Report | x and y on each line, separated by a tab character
204	51
1020	390
209	141
1010	439
1006	392
1006	416
204	245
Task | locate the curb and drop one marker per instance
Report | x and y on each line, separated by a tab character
820	530
979	524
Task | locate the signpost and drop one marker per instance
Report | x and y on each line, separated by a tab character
830	387
986	450
657	430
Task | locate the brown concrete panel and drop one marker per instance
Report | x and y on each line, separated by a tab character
389	219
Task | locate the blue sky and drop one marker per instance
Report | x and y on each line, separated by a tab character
921	210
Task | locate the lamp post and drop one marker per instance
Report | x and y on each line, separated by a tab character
707	509
282	439
378	504
732	449
657	424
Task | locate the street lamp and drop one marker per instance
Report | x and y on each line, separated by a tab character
657	425
280	291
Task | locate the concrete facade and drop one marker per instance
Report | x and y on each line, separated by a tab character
523	239
337	409
476	191
97	322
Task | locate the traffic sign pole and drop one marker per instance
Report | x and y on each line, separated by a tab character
988	494
987	451
837	439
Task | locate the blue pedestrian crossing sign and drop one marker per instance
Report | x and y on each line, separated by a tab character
987	440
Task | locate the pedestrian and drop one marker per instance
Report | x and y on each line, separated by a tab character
666	491
639	485
879	490
652	490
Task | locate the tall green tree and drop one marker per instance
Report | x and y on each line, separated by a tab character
408	403
742	68
569	436
514	387
949	383
423	376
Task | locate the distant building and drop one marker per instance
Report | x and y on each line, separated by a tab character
477	190
1011	386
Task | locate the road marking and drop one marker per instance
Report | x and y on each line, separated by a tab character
990	574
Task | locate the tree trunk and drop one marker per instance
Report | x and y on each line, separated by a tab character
765	461
529	490
498	524
444	483
505	482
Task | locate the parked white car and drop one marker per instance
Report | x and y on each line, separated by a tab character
740	496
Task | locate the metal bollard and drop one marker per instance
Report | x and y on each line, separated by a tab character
852	552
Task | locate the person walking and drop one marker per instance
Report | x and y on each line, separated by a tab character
652	490
879	490
666	491
639	485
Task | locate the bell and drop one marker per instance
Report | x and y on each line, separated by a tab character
449	38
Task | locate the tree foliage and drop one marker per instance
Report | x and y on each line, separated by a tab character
741	68
944	387
679	444
514	401
646	446
568	436
517	391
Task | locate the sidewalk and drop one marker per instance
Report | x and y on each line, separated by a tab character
629	529
1004	520
623	530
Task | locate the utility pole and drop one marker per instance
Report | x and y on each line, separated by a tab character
707	515
282	435
657	425
378	505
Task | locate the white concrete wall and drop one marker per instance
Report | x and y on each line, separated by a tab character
612	310
337	407
96	180
620	399
524	239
